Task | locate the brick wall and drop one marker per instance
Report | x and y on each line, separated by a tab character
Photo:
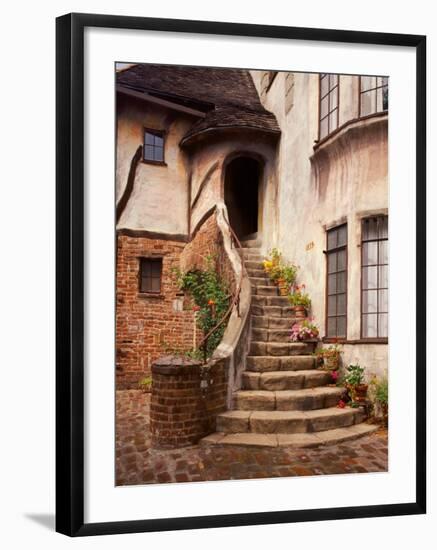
208	241
147	325
186	399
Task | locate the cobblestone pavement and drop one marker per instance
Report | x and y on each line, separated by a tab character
137	463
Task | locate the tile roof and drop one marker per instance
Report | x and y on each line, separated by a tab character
228	96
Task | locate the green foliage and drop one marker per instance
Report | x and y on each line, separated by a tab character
145	383
381	391
211	296
299	297
278	269
354	375
288	273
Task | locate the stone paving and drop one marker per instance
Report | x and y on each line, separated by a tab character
137	463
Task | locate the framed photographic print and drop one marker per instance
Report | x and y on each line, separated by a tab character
240	274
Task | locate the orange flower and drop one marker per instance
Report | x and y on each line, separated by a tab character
211	302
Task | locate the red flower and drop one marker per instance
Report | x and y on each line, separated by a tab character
341	404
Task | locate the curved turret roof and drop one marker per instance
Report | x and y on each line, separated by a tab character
228	97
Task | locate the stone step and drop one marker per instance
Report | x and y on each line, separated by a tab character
282	348
272	311
255	271
264	321
305	440
281	301
286	363
292	400
261	281
271	335
267	290
284	380
250	264
252	256
250	243
288	422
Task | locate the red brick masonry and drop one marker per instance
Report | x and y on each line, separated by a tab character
186	399
151	325
147	325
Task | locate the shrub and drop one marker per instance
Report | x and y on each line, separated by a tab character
211	296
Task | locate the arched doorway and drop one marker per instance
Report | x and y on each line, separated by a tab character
241	195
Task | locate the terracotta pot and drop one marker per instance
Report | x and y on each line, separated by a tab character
282	287
331	362
300	312
361	392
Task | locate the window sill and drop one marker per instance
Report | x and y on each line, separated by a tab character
155	295
344	341
154	162
354	122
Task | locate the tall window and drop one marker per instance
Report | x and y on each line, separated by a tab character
336	282
150	275
373	94
328	109
153	150
374	278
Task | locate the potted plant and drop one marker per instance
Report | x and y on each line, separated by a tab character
286	278
272	263
381	397
303	331
299	301
329	358
354	382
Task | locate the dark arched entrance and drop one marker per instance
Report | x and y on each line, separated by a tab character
241	195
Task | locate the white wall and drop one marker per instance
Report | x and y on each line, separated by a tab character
343	180
27	401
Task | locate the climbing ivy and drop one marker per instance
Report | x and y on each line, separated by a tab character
211	297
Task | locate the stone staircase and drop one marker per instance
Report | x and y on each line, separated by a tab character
284	399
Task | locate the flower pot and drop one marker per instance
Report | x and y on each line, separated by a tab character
361	392
299	312
331	362
282	287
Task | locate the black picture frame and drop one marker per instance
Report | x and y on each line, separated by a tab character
70	273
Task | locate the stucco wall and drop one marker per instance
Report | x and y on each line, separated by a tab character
341	180
159	201
210	158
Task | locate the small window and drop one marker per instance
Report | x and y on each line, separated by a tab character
328	107
373	94
150	275
336	287
374	277
153	146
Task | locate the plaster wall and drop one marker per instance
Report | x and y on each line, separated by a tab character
209	161
159	200
342	179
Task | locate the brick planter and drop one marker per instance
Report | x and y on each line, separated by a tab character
186	399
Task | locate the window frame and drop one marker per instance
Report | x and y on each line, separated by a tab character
374	89
337	108
160	133
327	252
377	265
141	261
